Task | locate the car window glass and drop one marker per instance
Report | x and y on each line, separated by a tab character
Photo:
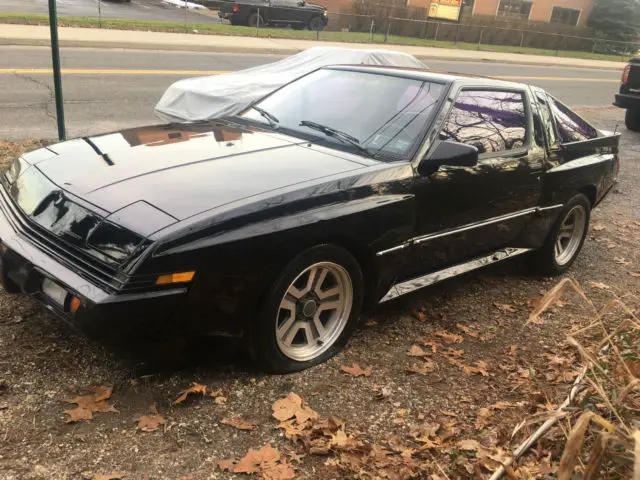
547	119
384	113
571	127
491	121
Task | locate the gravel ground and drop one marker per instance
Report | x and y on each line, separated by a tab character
481	317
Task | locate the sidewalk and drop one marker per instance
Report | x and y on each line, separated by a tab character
128	39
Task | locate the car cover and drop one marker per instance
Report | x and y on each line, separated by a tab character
203	98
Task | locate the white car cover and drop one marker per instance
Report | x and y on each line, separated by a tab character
203	98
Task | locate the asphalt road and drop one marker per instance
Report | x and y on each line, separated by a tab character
98	98
135	10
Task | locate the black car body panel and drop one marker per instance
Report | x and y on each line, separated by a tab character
273	12
629	96
235	201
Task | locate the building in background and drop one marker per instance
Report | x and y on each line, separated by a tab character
563	12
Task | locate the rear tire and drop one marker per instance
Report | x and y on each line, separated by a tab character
255	20
316	24
632	119
310	312
564	243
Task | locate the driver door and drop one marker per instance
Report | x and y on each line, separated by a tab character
464	212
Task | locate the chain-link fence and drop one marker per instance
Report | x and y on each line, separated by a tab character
202	17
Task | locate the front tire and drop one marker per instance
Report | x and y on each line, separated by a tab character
255	20
632	119
564	243
310	312
316	24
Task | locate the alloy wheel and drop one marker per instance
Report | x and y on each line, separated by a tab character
570	235
314	311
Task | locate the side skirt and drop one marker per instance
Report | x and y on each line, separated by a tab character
431	278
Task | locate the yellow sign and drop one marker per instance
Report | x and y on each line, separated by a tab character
445	9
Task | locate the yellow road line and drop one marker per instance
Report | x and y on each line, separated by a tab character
82	71
102	71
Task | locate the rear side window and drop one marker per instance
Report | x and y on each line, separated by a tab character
546	118
571	127
491	121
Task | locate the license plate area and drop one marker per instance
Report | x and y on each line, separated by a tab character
54	292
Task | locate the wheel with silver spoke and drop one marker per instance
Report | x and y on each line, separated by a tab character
314	311
566	237
311	311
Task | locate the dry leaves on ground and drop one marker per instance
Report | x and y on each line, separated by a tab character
194	388
356	370
449	337
109	476
266	461
239	423
416	351
505	307
150	423
422	368
87	405
292	406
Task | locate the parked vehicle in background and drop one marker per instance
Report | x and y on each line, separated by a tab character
629	96
202	98
295	13
350	186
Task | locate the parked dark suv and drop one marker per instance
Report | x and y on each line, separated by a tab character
297	13
629	96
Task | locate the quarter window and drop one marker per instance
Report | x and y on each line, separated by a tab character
491	121
546	118
571	127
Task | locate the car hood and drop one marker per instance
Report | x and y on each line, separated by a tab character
185	169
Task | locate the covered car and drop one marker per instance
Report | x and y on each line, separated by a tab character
203	98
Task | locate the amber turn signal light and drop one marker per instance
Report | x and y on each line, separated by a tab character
74	305
170	278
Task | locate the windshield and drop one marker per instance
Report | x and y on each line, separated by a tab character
385	114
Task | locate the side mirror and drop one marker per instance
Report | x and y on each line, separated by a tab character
449	154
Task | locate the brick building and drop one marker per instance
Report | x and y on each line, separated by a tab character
564	12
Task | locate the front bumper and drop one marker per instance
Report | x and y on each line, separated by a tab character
24	266
625	100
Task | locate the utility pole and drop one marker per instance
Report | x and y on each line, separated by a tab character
55	60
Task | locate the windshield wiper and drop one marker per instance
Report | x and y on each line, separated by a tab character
271	118
332	132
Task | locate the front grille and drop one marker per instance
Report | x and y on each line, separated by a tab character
99	273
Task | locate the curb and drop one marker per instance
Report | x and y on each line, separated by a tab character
106	44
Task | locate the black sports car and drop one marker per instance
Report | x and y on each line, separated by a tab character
350	186
297	13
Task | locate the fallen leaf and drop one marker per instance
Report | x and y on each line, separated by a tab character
600	285
292	406
150	423
432	344
634	275
282	471
256	460
622	261
416	351
598	228
356	370
226	465
449	337
468	329
101	393
109	476
422	368
481	368
505	307
194	388
239	423
77	414
468	445
419	314
220	400
453	353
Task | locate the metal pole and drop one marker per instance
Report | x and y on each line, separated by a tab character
100	13
457	34
258	24
435	37
522	40
186	28
595	45
371	31
480	40
55	60
386	35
